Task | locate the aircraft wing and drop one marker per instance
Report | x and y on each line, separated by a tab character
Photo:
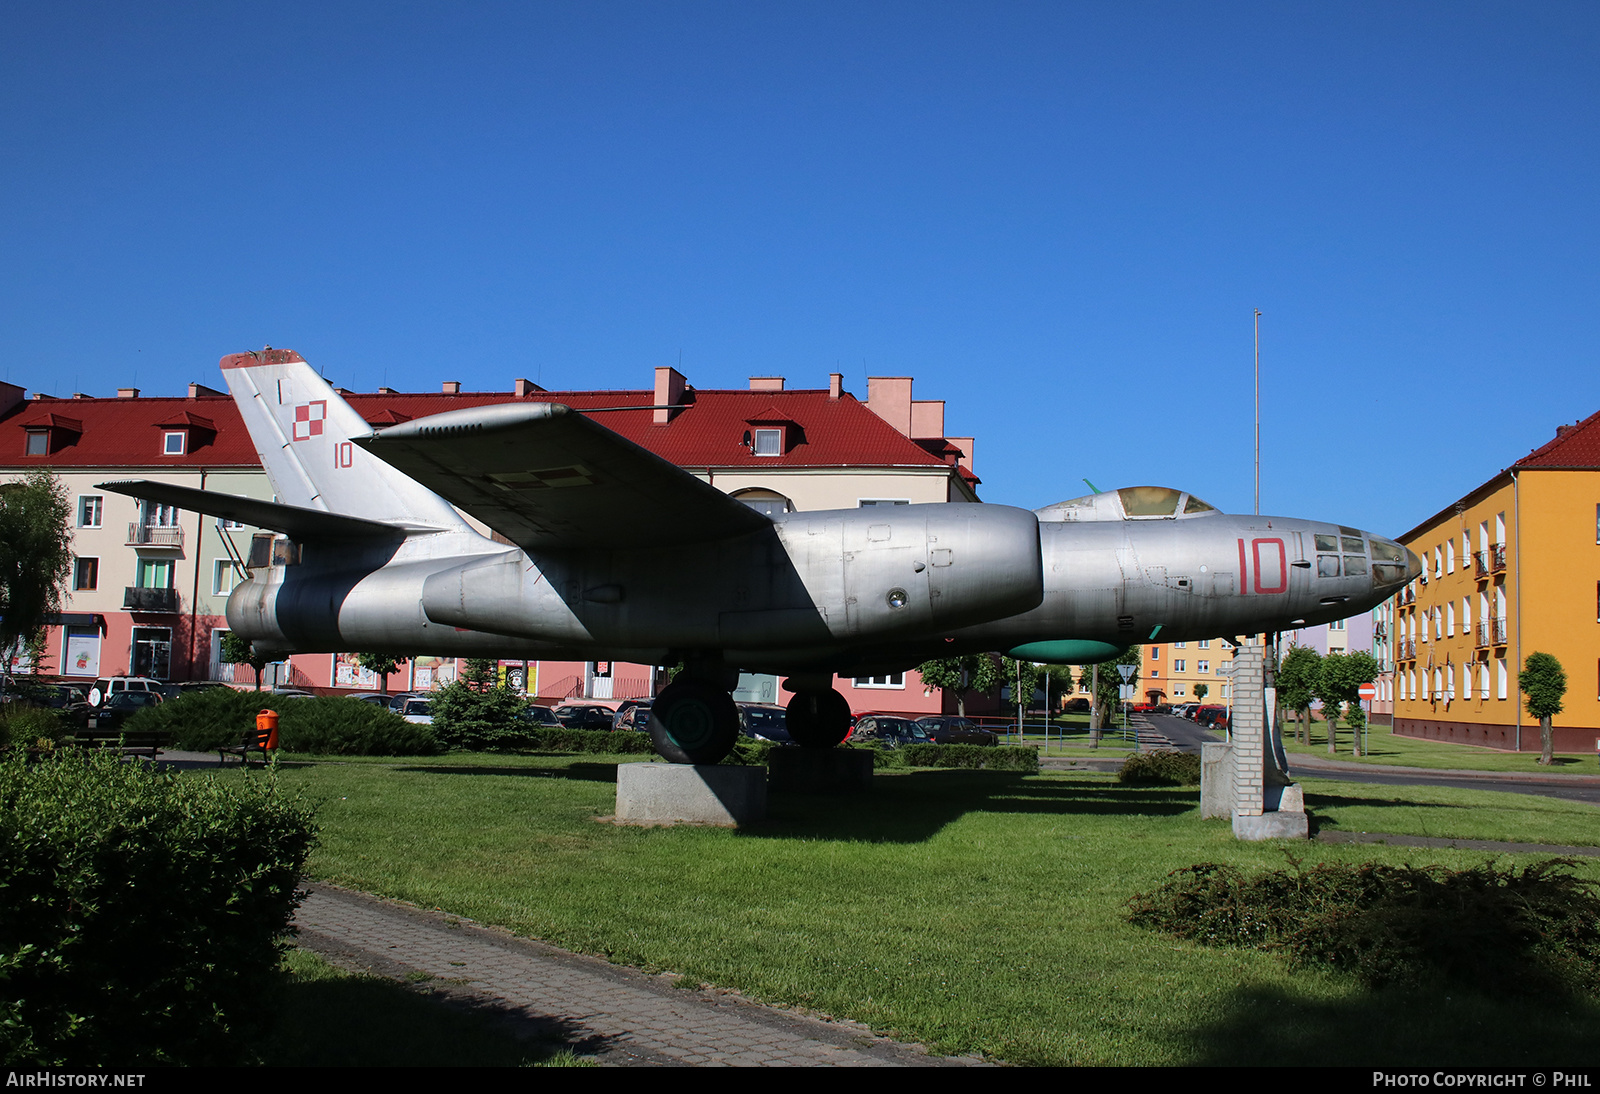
546	477
291	520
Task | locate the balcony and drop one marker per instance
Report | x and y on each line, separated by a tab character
1500	632
1407	649
1480	565
1497	558
136	599
1481	636
1408	595
150	535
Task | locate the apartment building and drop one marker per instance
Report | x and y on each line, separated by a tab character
150	583
1510	569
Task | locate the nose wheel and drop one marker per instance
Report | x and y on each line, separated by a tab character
693	722
818	719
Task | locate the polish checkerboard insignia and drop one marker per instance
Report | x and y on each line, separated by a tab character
308	419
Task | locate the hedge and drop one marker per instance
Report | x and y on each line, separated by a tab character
329	725
142	916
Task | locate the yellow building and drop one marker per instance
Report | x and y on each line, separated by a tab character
1511	569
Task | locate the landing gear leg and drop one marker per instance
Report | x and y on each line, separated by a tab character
818	719
693	722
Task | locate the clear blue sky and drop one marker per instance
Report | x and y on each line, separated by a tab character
1058	217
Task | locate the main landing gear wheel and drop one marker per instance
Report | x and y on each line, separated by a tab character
818	719
694	723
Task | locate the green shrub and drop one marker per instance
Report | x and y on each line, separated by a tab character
142	916
330	725
29	727
478	719
1498	931
553	739
1010	758
1163	767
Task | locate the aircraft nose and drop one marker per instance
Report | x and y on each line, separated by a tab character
1392	564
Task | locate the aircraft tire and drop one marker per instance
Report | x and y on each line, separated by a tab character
818	719
694	723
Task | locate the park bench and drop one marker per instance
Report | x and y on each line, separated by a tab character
253	740
130	742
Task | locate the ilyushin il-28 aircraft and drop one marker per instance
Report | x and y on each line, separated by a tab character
373	553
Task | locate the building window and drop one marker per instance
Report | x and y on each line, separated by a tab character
768	442
222	578
1177	690
1203	667
867	502
229	525
157	515
152	652
1177	666
85	574
154	573
1154	673
893	680
89	511
38	442
1155	653
173	442
1180	645
1500	683
1204	643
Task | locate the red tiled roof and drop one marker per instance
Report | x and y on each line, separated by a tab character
1573	446
708	431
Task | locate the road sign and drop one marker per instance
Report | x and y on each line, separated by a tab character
1126	671
1368	691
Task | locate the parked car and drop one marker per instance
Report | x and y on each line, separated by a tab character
585	716
1076	706
889	730
539	716
765	722
68	702
633	716
107	686
122	706
948	730
417	710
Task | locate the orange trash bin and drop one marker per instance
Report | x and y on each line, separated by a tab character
267	722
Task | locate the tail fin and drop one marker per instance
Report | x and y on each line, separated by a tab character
303	431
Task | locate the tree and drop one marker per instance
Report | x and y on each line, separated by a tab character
238	651
1338	684
35	555
1200	692
1297	685
475	712
1544	682
381	665
1022	677
1105	699
974	672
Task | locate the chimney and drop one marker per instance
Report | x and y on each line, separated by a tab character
82	395
835	384
766	383
670	386
965	444
11	395
1563	430
197	390
127	393
451	387
927	419
889	397
387	391
525	387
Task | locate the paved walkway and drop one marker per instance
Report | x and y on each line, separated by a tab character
616	1015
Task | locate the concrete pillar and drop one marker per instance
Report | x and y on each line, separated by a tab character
1265	804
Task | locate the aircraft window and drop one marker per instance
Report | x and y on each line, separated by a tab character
1149	501
1387	574
1327	543
1353	544
1354	564
1385	551
1327	565
1195	505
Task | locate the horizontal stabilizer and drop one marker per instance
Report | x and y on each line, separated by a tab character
291	520
545	476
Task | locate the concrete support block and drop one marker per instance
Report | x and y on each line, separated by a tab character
1216	780
720	794
819	770
1276	825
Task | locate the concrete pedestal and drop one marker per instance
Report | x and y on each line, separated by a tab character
1246	778
657	793
819	770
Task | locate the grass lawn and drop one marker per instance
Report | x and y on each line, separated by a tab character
972	911
1388	748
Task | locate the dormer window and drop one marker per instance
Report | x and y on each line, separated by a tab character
174	442
186	432
768	442
772	433
38	442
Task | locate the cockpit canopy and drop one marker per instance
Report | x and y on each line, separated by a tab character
1129	503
